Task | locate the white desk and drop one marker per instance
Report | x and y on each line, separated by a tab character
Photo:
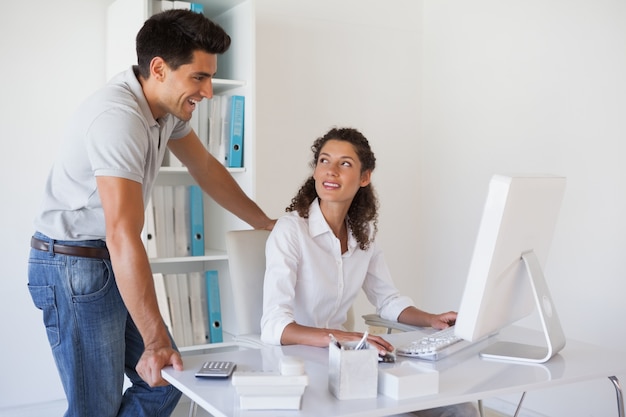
463	377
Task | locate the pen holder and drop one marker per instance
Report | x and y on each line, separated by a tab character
352	374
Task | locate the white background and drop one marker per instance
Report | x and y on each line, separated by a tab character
448	93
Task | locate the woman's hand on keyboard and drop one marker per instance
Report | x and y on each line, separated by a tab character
416	317
444	320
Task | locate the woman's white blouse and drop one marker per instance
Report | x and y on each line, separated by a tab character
309	281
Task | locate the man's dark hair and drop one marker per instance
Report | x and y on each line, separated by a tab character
174	35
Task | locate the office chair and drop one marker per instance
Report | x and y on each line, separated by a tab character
246	262
376	321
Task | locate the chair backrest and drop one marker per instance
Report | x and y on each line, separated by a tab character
246	262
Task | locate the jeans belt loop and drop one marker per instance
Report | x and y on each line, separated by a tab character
51	247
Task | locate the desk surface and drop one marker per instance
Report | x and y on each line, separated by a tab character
462	377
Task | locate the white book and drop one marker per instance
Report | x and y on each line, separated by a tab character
198	304
163	202
148	234
226	122
215	127
182	5
171	160
182	221
168	237
224	129
176	314
161	6
158	204
200	121
185	309
161	295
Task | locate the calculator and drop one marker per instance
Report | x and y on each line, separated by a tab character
216	369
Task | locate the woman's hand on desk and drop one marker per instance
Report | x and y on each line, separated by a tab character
376	342
295	334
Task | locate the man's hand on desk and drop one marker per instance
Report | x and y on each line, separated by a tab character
153	360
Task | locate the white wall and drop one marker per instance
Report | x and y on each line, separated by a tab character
317	69
448	93
52	57
533	86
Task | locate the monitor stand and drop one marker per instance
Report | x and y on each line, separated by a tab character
550	323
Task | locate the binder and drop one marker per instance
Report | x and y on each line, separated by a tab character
213	306
162	5
176	287
148	234
218	124
168	5
182	223
161	295
198	307
234	153
175	308
168	238
182	234
159	221
196	218
182	5
197	7
185	309
200	121
163	203
170	160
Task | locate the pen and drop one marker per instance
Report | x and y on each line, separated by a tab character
361	343
335	341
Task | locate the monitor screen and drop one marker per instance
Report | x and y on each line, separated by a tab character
505	281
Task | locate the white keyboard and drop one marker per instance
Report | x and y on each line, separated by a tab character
434	346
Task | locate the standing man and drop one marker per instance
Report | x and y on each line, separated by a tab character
88	268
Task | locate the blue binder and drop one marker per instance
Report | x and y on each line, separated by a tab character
196	216
234	155
214	307
197	7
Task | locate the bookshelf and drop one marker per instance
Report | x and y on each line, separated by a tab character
235	77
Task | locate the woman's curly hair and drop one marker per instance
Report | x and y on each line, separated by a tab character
363	212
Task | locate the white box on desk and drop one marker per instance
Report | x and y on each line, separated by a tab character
269	390
407	380
270	402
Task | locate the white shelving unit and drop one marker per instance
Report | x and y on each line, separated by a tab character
235	77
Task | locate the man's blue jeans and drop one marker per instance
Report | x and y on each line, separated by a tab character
93	339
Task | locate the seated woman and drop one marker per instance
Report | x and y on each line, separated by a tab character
323	252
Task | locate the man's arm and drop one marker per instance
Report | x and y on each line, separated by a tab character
217	182
124	217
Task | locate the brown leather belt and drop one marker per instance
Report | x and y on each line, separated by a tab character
82	251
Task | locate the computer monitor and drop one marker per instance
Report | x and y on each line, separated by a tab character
505	282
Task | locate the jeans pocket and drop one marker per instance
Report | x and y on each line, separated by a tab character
43	298
89	279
